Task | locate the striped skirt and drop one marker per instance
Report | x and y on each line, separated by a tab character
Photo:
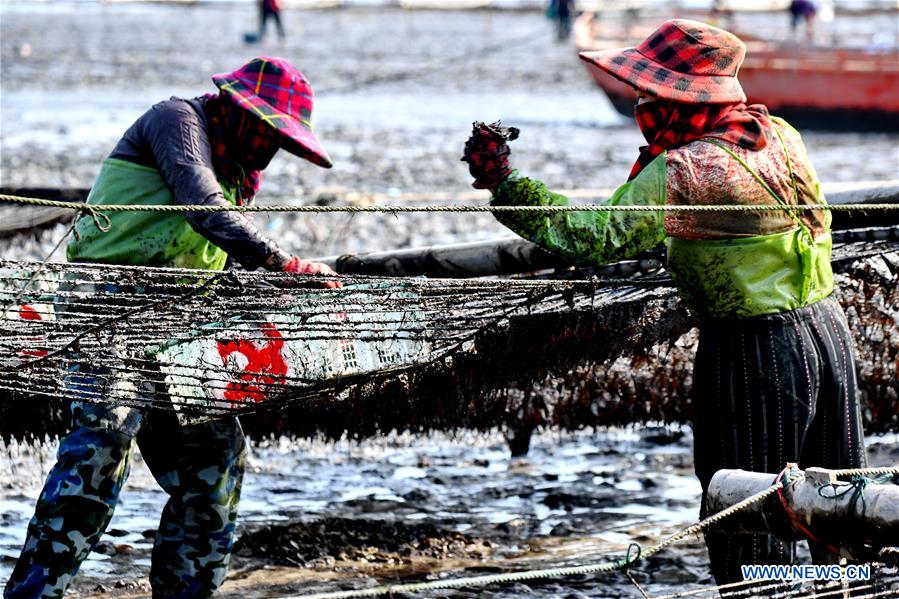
769	390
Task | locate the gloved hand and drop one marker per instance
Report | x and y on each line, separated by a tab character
297	265
487	154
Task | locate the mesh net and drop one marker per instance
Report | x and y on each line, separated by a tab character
376	354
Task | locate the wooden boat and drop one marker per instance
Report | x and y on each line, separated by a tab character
844	89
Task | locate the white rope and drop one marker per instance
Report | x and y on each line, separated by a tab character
621	564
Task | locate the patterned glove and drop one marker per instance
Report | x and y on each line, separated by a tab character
299	266
487	154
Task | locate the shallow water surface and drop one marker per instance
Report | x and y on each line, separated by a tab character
595	488
576	498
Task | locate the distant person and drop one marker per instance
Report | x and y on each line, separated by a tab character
722	14
561	10
268	9
632	20
803	10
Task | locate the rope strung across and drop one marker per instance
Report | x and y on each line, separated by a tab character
622	564
99	208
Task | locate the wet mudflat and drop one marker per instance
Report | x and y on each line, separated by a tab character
405	507
320	516
397	92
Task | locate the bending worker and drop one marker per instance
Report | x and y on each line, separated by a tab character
774	377
210	151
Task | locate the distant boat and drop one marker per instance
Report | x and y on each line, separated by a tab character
843	89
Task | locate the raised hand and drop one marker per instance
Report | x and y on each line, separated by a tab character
487	154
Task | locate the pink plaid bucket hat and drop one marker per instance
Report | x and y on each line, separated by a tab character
277	93
682	61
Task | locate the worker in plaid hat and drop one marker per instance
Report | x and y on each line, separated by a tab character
207	151
774	377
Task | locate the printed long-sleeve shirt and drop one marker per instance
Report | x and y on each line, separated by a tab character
700	173
172	137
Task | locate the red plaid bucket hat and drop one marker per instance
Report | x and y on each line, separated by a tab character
682	61
277	93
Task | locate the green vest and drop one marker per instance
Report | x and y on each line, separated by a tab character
141	238
751	276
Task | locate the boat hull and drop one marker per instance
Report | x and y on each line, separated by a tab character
838	90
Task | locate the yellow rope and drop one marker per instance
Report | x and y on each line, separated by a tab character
620	564
94	209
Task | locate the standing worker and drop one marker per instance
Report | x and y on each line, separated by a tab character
268	9
206	151
560	11
803	10
774	377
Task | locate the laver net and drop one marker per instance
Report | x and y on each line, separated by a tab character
377	353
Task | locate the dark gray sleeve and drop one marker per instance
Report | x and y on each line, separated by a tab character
177	144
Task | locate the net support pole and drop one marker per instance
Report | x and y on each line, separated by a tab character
838	510
480	258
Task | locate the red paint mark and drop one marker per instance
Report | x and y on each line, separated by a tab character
26	312
265	366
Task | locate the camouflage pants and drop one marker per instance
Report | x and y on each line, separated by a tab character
199	466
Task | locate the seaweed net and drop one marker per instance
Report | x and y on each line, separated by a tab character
374	355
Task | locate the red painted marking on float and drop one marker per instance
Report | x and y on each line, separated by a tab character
26	312
265	366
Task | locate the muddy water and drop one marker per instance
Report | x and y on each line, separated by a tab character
574	498
405	507
75	76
